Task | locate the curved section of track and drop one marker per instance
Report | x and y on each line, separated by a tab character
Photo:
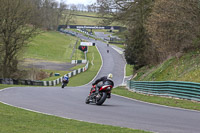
117	111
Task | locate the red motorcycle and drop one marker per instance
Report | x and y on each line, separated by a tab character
100	97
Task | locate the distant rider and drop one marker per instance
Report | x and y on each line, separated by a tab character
65	79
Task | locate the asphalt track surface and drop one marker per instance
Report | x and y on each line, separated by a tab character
118	111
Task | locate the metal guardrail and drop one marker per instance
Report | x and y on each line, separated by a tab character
178	89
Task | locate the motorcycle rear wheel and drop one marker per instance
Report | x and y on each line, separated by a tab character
102	99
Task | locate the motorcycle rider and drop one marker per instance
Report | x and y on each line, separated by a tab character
100	82
65	79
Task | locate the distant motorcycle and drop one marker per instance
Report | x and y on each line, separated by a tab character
65	81
104	92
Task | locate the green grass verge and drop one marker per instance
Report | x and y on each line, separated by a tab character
186	104
118	45
129	70
2	86
15	120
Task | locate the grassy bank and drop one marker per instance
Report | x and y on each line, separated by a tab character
185	68
52	46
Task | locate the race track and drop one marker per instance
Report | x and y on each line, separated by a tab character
118	111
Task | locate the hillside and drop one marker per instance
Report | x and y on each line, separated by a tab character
184	68
52	46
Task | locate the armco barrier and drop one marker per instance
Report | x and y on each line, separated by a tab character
178	89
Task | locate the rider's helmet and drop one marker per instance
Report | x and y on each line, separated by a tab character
65	77
110	76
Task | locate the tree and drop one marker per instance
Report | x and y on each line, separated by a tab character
73	7
60	11
89	8
52	13
94	7
80	7
104	6
133	15
174	26
68	17
16	29
49	14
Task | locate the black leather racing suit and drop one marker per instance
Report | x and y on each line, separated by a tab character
103	80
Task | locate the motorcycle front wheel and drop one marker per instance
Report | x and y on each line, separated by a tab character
87	100
63	85
102	99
